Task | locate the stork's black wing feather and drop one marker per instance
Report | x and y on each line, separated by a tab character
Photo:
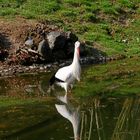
53	79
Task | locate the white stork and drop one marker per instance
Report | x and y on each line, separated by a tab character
66	76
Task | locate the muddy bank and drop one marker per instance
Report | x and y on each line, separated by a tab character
13	70
30	46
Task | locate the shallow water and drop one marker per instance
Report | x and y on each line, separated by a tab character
58	117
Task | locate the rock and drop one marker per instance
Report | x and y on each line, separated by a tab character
71	37
29	41
3	54
69	45
44	49
41	68
61	44
56	40
83	49
40	44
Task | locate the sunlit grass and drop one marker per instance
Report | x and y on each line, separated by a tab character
115	78
11	101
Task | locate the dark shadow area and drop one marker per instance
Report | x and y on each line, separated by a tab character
97	53
5	44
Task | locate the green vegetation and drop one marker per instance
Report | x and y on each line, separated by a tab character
112	24
115	78
10	101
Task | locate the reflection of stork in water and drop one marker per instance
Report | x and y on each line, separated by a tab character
70	113
65	76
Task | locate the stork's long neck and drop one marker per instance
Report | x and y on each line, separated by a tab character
75	66
76	58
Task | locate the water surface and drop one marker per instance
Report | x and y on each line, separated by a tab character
29	113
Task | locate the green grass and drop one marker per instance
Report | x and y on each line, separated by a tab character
6	101
115	78
10	101
105	22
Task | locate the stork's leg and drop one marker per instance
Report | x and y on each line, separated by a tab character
51	87
63	99
66	87
70	88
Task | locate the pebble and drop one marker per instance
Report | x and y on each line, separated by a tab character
41	68
45	67
49	66
27	68
31	67
7	70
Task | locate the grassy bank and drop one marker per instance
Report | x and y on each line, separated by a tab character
113	26
112	79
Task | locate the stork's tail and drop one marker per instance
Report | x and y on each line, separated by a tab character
52	80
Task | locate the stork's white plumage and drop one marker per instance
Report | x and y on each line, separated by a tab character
65	76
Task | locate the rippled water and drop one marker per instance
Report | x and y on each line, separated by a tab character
58	117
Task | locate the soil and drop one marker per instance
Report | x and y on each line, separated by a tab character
14	32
